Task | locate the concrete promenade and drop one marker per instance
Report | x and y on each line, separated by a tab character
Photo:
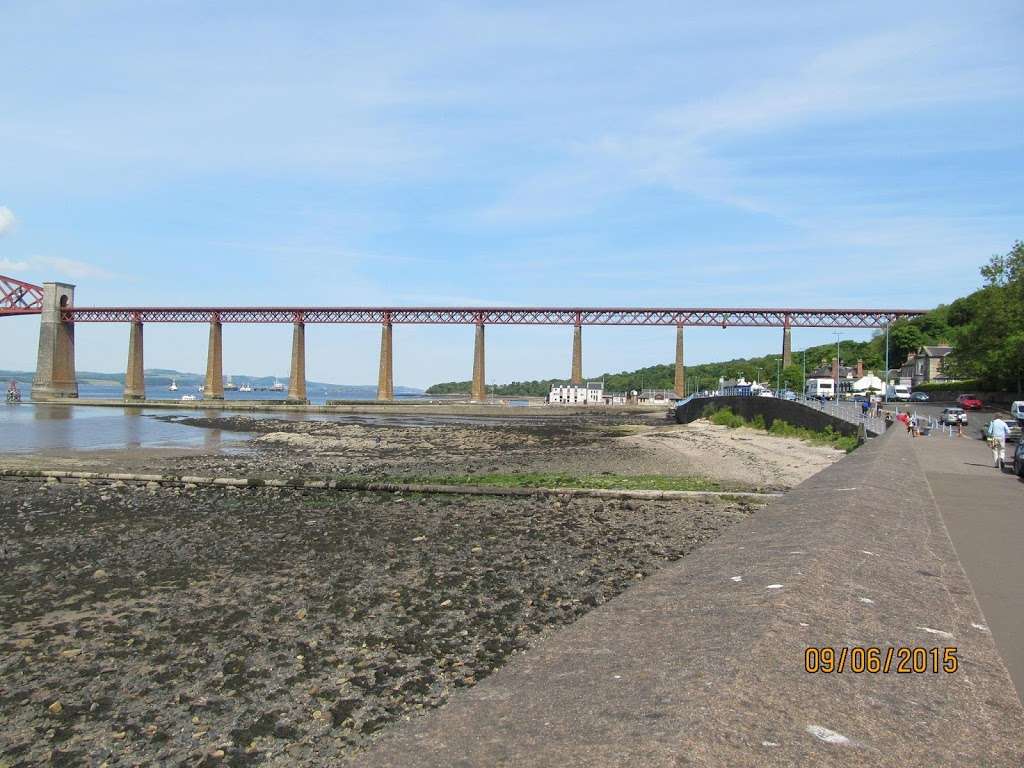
984	512
703	664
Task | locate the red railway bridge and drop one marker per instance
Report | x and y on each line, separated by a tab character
55	371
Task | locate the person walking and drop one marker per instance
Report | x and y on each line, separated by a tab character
997	433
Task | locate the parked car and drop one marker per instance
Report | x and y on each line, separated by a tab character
1018	459
969	402
953	416
788	394
1012	437
919	397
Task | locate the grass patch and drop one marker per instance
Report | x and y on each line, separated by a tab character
554	480
726	418
615	430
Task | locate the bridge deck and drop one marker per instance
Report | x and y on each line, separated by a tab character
703	663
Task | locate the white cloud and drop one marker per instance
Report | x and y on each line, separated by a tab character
71	268
50	267
7	220
703	146
9	267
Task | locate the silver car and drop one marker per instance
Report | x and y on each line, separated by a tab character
953	416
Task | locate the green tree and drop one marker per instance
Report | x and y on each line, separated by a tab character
792	378
991	346
904	338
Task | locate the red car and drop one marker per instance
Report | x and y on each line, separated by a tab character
969	402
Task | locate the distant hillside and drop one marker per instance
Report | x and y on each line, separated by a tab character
986	329
703	375
158	377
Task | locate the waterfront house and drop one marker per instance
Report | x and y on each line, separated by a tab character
927	364
577	394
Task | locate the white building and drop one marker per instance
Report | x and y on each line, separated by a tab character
592	393
740	387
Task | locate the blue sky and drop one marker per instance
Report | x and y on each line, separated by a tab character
669	154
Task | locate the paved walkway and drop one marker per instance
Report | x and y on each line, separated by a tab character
703	664
984	512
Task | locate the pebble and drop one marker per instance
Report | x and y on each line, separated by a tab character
56	708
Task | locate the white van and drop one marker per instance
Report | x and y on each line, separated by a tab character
1017	411
820	388
897	391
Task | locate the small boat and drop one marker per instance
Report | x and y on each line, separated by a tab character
229	385
13	394
173	387
245	388
189	397
277	386
201	387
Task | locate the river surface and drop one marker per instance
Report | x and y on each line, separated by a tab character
40	427
317	395
52	427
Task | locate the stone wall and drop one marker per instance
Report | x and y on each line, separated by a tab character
703	663
769	408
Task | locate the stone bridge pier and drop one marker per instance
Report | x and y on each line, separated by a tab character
134	377
297	376
55	364
479	388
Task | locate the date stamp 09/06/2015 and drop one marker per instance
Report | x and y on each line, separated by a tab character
903	660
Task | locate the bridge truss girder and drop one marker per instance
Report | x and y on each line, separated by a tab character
696	317
19	298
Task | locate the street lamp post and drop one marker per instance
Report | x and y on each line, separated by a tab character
835	392
803	371
885	393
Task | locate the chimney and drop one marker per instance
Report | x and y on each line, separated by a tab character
860	368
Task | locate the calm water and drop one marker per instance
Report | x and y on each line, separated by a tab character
35	427
317	396
28	428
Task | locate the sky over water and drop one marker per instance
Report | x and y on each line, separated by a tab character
750	154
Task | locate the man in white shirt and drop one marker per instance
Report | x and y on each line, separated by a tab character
997	432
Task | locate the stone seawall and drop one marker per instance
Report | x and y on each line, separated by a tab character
769	408
703	664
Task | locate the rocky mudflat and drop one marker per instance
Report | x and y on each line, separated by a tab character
190	627
577	444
